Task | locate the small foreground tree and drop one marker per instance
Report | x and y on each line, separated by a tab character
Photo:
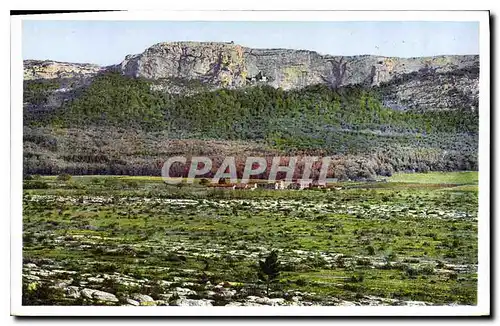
269	270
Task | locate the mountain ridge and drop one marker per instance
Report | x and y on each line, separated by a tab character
258	48
379	114
232	65
229	65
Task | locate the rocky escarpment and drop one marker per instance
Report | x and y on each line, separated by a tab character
424	83
50	84
220	63
426	90
231	65
46	69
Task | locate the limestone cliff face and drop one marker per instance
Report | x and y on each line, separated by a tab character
427	90
442	82
38	69
218	63
233	65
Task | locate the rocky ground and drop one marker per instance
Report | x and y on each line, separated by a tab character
386	246
88	290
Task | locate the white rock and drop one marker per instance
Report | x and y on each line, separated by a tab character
264	300
346	303
104	296
63	284
42	273
142	298
191	302
251	304
161	303
277	301
227	294
31	277
415	303
210	294
95	280
132	302
184	291
234	304
252	298
72	292
98	295
87	293
62	271
166	283
165	296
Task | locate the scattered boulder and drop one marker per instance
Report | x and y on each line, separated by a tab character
251	304
192	302
161	303
210	294
165	283
63	284
132	302
42	273
87	293
225	294
416	303
98	295
277	301
183	292
264	301
95	280
165	296
143	299
234	304
252	298
270	302
73	292
104	296
31	278
346	303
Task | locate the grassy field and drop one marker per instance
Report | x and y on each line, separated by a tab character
455	178
409	241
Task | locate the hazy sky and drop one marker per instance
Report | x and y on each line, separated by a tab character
107	42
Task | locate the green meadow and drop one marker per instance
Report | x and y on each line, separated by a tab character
410	240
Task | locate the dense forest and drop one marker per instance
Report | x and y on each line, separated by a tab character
349	121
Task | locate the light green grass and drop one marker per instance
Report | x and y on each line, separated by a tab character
410	222
458	178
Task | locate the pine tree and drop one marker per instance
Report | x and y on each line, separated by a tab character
269	270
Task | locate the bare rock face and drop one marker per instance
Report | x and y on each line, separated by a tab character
219	63
36	69
230	64
441	82
457	89
424	83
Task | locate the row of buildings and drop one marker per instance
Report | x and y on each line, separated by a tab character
278	185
